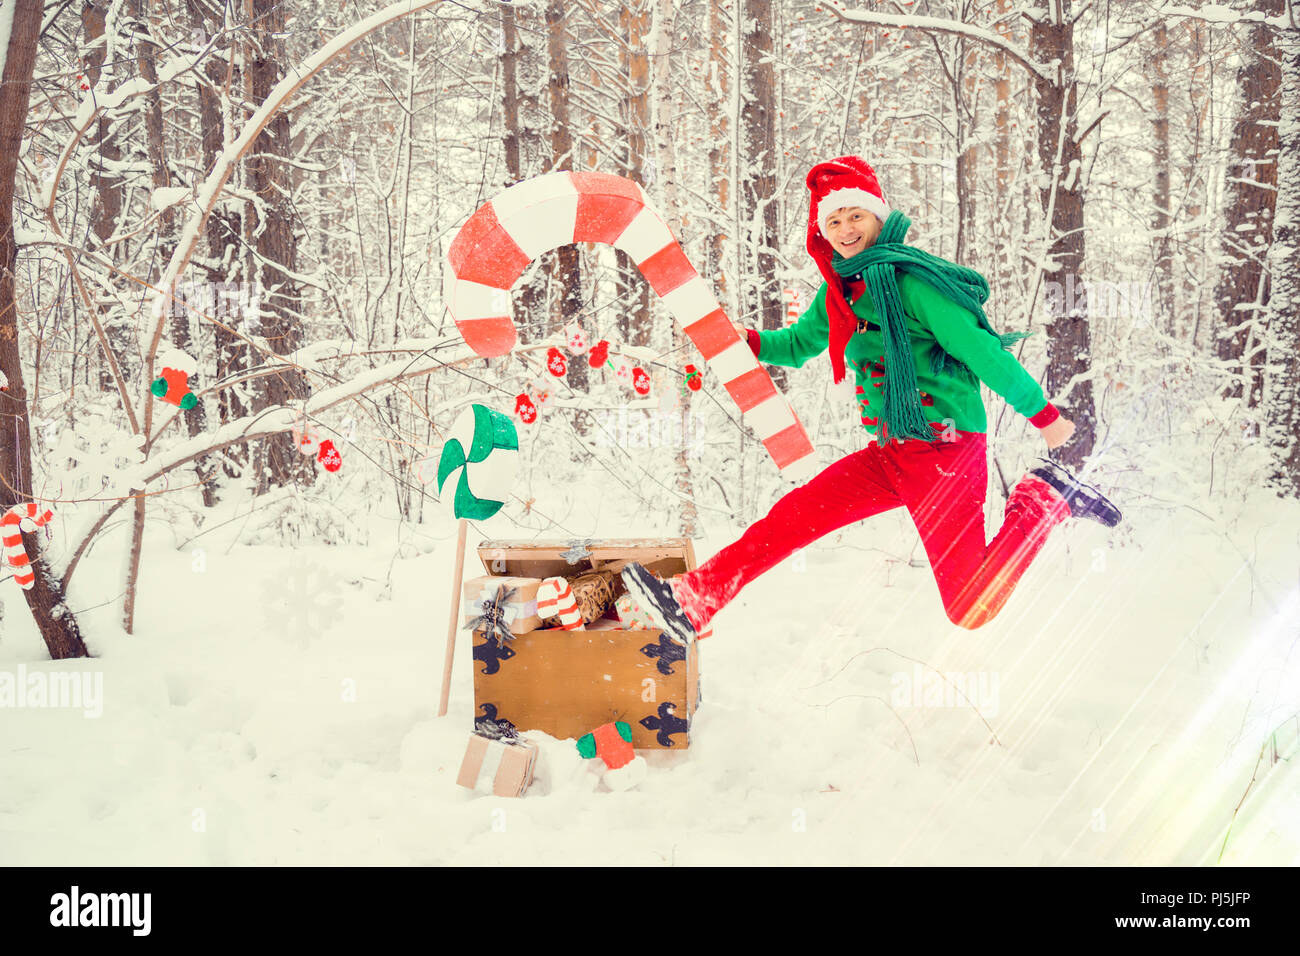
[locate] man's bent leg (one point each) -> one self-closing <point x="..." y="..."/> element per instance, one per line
<point x="849" y="490"/>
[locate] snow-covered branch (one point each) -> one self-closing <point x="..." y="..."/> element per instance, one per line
<point x="1047" y="71"/>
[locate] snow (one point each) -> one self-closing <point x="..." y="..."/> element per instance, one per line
<point x="6" y="28"/>
<point x="1113" y="714"/>
<point x="164" y="197"/>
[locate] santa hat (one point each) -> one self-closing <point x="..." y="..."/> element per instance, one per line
<point x="846" y="181"/>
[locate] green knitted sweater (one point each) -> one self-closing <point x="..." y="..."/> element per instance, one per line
<point x="949" y="399"/>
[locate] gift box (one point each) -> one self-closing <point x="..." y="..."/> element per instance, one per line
<point x="519" y="609"/>
<point x="567" y="682"/>
<point x="503" y="767"/>
<point x="595" y="591"/>
<point x="631" y="614"/>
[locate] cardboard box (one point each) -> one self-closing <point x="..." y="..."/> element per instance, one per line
<point x="567" y="683"/>
<point x="520" y="610"/>
<point x="503" y="767"/>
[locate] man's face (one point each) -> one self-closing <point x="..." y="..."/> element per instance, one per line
<point x="852" y="229"/>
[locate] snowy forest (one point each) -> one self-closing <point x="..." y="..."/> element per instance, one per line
<point x="263" y="195"/>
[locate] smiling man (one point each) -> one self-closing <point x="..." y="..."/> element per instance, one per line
<point x="912" y="327"/>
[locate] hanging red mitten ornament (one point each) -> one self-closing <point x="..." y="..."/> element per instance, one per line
<point x="640" y="381"/>
<point x="693" y="380"/>
<point x="525" y="410"/>
<point x="622" y="369"/>
<point x="329" y="456"/>
<point x="173" y="387"/>
<point x="576" y="338"/>
<point x="599" y="354"/>
<point x="556" y="363"/>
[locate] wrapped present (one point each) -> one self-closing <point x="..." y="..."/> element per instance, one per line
<point x="631" y="615"/>
<point x="503" y="766"/>
<point x="596" y="591"/>
<point x="504" y="606"/>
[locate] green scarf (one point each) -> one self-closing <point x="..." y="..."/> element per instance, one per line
<point x="879" y="264"/>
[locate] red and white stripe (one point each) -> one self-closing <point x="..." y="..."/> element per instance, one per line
<point x="794" y="305"/>
<point x="496" y="244"/>
<point x="11" y="530"/>
<point x="555" y="599"/>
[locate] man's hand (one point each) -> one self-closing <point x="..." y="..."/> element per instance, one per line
<point x="1058" y="433"/>
<point x="741" y="331"/>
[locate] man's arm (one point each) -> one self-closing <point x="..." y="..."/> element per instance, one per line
<point x="797" y="343"/>
<point x="959" y="333"/>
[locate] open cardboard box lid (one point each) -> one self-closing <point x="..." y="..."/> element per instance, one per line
<point x="543" y="559"/>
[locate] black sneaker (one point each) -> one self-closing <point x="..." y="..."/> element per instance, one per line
<point x="656" y="597"/>
<point x="1085" y="501"/>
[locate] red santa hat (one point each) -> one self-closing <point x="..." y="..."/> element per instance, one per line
<point x="846" y="181"/>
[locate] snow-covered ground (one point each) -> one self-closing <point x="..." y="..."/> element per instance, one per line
<point x="276" y="705"/>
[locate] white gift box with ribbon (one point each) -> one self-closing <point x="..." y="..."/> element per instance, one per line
<point x="502" y="768"/>
<point x="519" y="611"/>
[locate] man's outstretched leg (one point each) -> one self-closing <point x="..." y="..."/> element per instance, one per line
<point x="851" y="489"/>
<point x="946" y="499"/>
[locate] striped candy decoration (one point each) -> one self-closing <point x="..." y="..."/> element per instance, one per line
<point x="555" y="599"/>
<point x="13" y="539"/>
<point x="794" y="305"/>
<point x="495" y="245"/>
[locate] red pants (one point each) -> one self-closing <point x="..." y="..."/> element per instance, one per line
<point x="941" y="483"/>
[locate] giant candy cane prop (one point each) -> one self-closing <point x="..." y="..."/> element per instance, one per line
<point x="496" y="244"/>
<point x="11" y="535"/>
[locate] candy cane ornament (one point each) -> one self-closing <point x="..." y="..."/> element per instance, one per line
<point x="555" y="599"/>
<point x="495" y="245"/>
<point x="11" y="534"/>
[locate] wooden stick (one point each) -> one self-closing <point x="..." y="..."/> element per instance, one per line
<point x="455" y="615"/>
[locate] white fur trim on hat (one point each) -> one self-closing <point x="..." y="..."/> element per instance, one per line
<point x="841" y="198"/>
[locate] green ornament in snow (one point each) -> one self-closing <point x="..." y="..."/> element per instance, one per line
<point x="480" y="461"/>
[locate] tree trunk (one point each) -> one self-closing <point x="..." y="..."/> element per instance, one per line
<point x="761" y="298"/>
<point x="965" y="92"/>
<point x="1161" y="218"/>
<point x="524" y="69"/>
<point x="269" y="227"/>
<point x="1069" y="343"/>
<point x="1002" y="268"/>
<point x="1284" y="304"/>
<point x="182" y="320"/>
<point x="104" y="152"/>
<point x="222" y="237"/>
<point x="632" y="290"/>
<point x="1241" y="294"/>
<point x="57" y="624"/>
<point x="718" y="101"/>
<point x="566" y="274"/>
